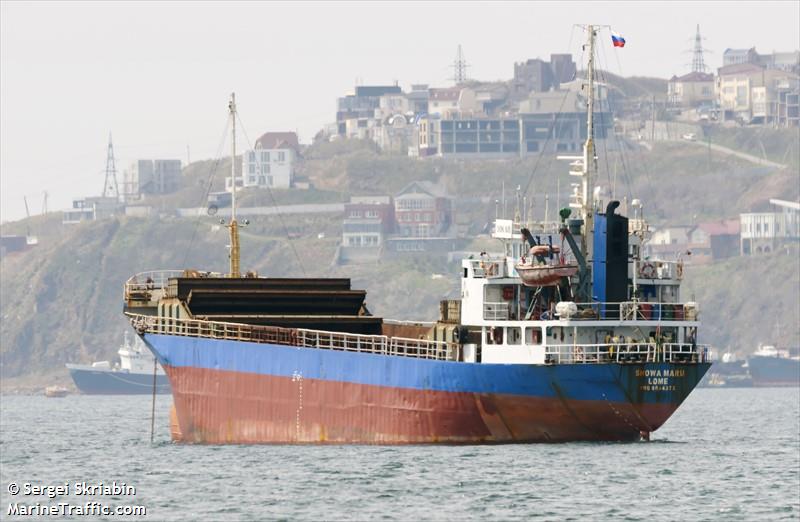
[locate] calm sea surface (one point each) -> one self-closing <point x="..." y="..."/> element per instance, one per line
<point x="725" y="455"/>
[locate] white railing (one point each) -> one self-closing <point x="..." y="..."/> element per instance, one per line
<point x="626" y="352"/>
<point x="484" y="268"/>
<point x="496" y="311"/>
<point x="660" y="269"/>
<point x="633" y="311"/>
<point x="301" y="337"/>
<point x="141" y="286"/>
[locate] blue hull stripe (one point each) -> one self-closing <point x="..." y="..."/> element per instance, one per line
<point x="569" y="381"/>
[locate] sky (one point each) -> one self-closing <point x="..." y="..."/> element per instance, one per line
<point x="158" y="75"/>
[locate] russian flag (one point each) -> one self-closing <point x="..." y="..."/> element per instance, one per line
<point x="617" y="40"/>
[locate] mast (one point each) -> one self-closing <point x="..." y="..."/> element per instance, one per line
<point x="233" y="226"/>
<point x="589" y="156"/>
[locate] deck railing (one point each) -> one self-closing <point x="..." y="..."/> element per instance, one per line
<point x="301" y="337"/>
<point x="419" y="348"/>
<point x="634" y="311"/>
<point x="140" y="287"/>
<point x="486" y="268"/>
<point x="626" y="352"/>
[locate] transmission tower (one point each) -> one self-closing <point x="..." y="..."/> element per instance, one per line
<point x="460" y="67"/>
<point x="698" y="65"/>
<point x="110" y="187"/>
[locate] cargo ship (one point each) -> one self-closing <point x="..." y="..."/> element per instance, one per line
<point x="769" y="366"/>
<point x="133" y="375"/>
<point x="592" y="344"/>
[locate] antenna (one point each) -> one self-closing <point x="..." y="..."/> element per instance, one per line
<point x="589" y="160"/>
<point x="110" y="187"/>
<point x="585" y="165"/>
<point x="233" y="226"/>
<point x="460" y="67"/>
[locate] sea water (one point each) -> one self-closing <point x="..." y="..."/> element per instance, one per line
<point x="726" y="454"/>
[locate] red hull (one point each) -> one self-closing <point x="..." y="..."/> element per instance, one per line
<point x="214" y="406"/>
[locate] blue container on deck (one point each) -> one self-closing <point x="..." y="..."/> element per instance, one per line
<point x="657" y="312"/>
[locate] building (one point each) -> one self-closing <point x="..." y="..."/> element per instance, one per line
<point x="418" y="98"/>
<point x="763" y="232"/>
<point x="788" y="109"/>
<point x="555" y="121"/>
<point x="487" y="99"/>
<point x="91" y="209"/>
<point x="444" y="101"/>
<point x="393" y="125"/>
<point x="739" y="56"/>
<point x="674" y="235"/>
<point x="691" y="90"/>
<point x="423" y="210"/>
<point x="783" y="61"/>
<point x="713" y="241"/>
<point x="536" y="75"/>
<point x="751" y="93"/>
<point x="789" y="62"/>
<point x="668" y="242"/>
<point x="354" y="111"/>
<point x="150" y="177"/>
<point x="552" y="121"/>
<point x="271" y="163"/>
<point x="368" y="220"/>
<point x="469" y="137"/>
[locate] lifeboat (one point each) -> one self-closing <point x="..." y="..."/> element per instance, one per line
<point x="534" y="272"/>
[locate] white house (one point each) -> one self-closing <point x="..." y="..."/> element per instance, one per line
<point x="763" y="232"/>
<point x="144" y="177"/>
<point x="271" y="163"/>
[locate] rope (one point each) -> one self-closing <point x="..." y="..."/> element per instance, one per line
<point x="274" y="202"/>
<point x="626" y="167"/>
<point x="550" y="130"/>
<point x="209" y="181"/>
<point x="153" y="407"/>
<point x="621" y="142"/>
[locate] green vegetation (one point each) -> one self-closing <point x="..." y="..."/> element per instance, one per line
<point x="748" y="300"/>
<point x="778" y="145"/>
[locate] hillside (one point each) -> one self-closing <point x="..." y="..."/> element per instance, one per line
<point x="779" y="145"/>
<point x="749" y="300"/>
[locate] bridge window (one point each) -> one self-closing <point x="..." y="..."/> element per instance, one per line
<point x="514" y="335"/>
<point x="494" y="335"/>
<point x="533" y="336"/>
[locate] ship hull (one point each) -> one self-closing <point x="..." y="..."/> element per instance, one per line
<point x="774" y="371"/>
<point x="98" y="381"/>
<point x="239" y="392"/>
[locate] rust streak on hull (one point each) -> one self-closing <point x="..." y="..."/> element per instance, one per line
<point x="216" y="406"/>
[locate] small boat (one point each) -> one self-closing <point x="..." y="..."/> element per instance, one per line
<point x="536" y="271"/>
<point x="55" y="391"/>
